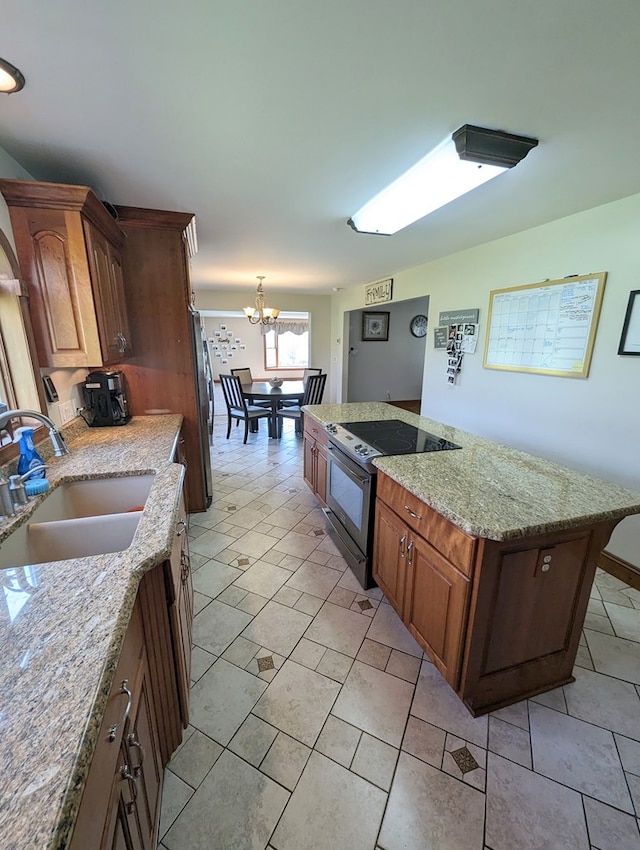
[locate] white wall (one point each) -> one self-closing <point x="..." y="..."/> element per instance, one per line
<point x="12" y="170"/>
<point x="318" y="307"/>
<point x="392" y="370"/>
<point x="591" y="425"/>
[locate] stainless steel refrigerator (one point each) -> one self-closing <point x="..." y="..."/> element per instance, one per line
<point x="204" y="386"/>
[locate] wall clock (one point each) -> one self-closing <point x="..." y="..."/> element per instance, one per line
<point x="418" y="325"/>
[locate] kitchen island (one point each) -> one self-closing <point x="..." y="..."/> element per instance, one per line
<point x="488" y="555"/>
<point x="62" y="629"/>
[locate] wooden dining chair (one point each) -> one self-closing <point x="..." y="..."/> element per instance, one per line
<point x="313" y="392"/>
<point x="237" y="407"/>
<point x="305" y="375"/>
<point x="246" y="378"/>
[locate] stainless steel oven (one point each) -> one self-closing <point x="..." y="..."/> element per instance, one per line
<point x="351" y="481"/>
<point x="349" y="511"/>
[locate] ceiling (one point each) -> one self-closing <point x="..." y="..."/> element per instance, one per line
<point x="275" y="120"/>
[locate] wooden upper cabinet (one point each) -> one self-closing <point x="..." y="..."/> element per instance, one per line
<point x="69" y="250"/>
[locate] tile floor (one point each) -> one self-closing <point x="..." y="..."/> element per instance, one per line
<point x="317" y="723"/>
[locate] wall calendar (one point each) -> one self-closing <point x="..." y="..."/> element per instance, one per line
<point x="548" y="328"/>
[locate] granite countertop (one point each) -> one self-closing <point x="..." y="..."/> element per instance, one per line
<point x="487" y="489"/>
<point x="61" y="629"/>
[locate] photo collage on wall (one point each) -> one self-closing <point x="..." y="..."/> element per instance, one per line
<point x="461" y="340"/>
<point x="224" y="344"/>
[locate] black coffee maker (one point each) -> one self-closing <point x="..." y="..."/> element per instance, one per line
<point x="105" y="399"/>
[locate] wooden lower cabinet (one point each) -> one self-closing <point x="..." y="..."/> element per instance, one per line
<point x="145" y="713"/>
<point x="315" y="458"/>
<point x="501" y="620"/>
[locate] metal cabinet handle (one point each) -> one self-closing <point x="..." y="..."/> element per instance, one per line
<point x="182" y="526"/>
<point x="403" y="541"/>
<point x="125" y="773"/>
<point x="410" y="553"/>
<point x="185" y="565"/>
<point x="124" y="689"/>
<point x="411" y="513"/>
<point x="134" y="744"/>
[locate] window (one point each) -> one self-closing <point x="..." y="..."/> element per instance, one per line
<point x="287" y="345"/>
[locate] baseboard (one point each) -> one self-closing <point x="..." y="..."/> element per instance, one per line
<point x="620" y="569"/>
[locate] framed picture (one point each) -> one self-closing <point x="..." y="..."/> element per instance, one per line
<point x="375" y="326"/>
<point x="630" y="337"/>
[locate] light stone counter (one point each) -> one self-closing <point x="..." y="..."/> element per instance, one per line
<point x="61" y="629"/>
<point x="487" y="489"/>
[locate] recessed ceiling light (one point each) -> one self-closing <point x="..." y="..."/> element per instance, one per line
<point x="11" y="79"/>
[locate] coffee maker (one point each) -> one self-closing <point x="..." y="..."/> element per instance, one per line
<point x="105" y="399"/>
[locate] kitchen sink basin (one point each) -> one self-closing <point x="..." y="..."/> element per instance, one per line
<point x="95" y="497"/>
<point x="62" y="540"/>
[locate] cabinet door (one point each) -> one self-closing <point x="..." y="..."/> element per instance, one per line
<point x="104" y="264"/>
<point x="389" y="555"/>
<point x="436" y="606"/>
<point x="119" y="301"/>
<point x="321" y="473"/>
<point x="309" y="458"/>
<point x="144" y="763"/>
<point x="181" y="612"/>
<point x="118" y="834"/>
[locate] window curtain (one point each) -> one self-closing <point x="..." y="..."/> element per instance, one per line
<point x="283" y="326"/>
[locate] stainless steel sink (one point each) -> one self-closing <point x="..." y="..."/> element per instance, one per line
<point x="79" y="519"/>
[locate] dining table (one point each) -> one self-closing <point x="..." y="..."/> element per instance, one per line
<point x="263" y="391"/>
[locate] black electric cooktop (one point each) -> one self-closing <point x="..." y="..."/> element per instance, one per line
<point x="394" y="437"/>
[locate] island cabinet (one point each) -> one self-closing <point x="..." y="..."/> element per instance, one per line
<point x="315" y="458"/>
<point x="501" y="620"/>
<point x="69" y="250"/>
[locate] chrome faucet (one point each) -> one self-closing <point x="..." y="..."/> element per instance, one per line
<point x="57" y="440"/>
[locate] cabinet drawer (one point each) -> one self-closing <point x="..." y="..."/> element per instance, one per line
<point x="456" y="546"/>
<point x="315" y="430"/>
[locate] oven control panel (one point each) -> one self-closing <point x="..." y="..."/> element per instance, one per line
<point x="352" y="445"/>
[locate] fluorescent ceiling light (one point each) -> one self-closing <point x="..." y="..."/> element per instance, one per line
<point x="11" y="80"/>
<point x="462" y="162"/>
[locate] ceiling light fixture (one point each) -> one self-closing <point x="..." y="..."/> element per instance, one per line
<point x="11" y="80"/>
<point x="261" y="314"/>
<point x="462" y="162"/>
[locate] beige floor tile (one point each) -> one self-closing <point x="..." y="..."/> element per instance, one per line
<point x="516" y="714"/>
<point x="247" y="805"/>
<point x="335" y="665"/>
<point x="375" y="761"/>
<point x="338" y="740"/>
<point x="201" y="660"/>
<point x="615" y="656"/>
<point x="222" y="699"/>
<point x="195" y="759"/>
<point x="314" y="579"/>
<point x="424" y="741"/>
<point x="554" y="699"/>
<point x="308" y="653"/>
<point x="526" y="810"/>
<point x="510" y="741"/>
<point x="429" y="810"/>
<point x="607" y="702"/>
<point x="298" y="545"/>
<point x="200" y="601"/>
<point x="210" y="544"/>
<point x="252" y="604"/>
<point x="375" y="654"/>
<point x="297" y="702"/>
<point x="388" y="628"/>
<point x="610" y="829"/>
<point x="341" y="596"/>
<point x="175" y="795"/>
<point x="375" y="702"/>
<point x="212" y="578"/>
<point x="231" y="596"/>
<point x="253" y="739"/>
<point x="254" y="544"/>
<point x="437" y="704"/>
<point x="598" y="623"/>
<point x="217" y="626"/>
<point x="285" y="760"/>
<point x="625" y="621"/>
<point x="330" y="808"/>
<point x="404" y="666"/>
<point x="240" y="652"/>
<point x="629" y="754"/>
<point x="339" y="629"/>
<point x="277" y="627"/>
<point x="579" y="755"/>
<point x="308" y="604"/>
<point x="263" y="578"/>
<point x="287" y="596"/>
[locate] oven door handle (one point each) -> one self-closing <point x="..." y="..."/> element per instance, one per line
<point x="346" y="469"/>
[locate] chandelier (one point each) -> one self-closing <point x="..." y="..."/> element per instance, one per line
<point x="261" y="314"/>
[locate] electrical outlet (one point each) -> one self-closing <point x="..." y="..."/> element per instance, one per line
<point x="66" y="411"/>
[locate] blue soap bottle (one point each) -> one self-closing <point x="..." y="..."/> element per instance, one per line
<point x="29" y="457"/>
